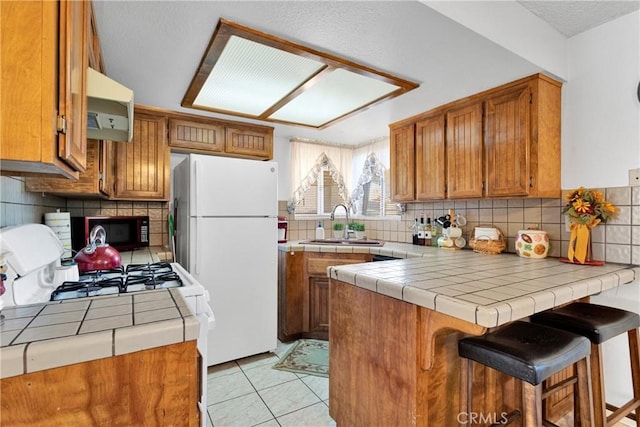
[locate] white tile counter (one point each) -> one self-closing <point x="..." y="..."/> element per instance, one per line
<point x="44" y="336"/>
<point x="488" y="290"/>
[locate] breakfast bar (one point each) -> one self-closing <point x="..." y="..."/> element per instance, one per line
<point x="395" y="326"/>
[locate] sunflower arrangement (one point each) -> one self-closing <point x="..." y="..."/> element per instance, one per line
<point x="586" y="209"/>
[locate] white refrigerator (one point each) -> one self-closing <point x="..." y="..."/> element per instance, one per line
<point x="226" y="236"/>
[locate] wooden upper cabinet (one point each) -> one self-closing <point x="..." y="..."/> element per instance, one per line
<point x="96" y="181"/>
<point x="43" y="79"/>
<point x="430" y="158"/>
<point x="74" y="25"/>
<point x="196" y="136"/>
<point x="402" y="168"/>
<point x="249" y="142"/>
<point x="143" y="166"/>
<point x="464" y="152"/>
<point x="507" y="142"/>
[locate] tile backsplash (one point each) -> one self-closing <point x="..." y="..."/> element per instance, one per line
<point x="616" y="241"/>
<point x="20" y="207"/>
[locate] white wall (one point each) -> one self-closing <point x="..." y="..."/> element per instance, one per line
<point x="282" y="155"/>
<point x="600" y="108"/>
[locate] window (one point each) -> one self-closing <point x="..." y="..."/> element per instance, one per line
<point x="321" y="196"/>
<point x="372" y="195"/>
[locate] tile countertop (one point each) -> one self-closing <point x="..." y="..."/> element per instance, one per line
<point x="44" y="336"/>
<point x="488" y="290"/>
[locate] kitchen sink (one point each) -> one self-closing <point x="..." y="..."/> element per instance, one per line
<point x="338" y="242"/>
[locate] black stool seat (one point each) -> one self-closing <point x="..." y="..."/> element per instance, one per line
<point x="596" y="322"/>
<point x="527" y="351"/>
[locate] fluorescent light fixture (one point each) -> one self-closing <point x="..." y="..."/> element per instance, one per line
<point x="251" y="74"/>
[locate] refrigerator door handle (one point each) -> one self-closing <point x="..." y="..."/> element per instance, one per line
<point x="198" y="249"/>
<point x="195" y="184"/>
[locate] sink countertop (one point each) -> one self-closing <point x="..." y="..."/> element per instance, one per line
<point x="488" y="290"/>
<point x="37" y="337"/>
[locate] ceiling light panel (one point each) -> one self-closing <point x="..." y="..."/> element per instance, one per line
<point x="338" y="94"/>
<point x="248" y="73"/>
<point x="250" y="77"/>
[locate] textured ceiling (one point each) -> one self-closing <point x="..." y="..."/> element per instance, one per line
<point x="574" y="17"/>
<point x="154" y="47"/>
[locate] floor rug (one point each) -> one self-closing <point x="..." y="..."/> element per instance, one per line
<point x="306" y="357"/>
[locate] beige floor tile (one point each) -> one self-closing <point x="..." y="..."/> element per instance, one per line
<point x="312" y="416"/>
<point x="288" y="397"/>
<point x="265" y="376"/>
<point x="243" y="411"/>
<point x="225" y="387"/>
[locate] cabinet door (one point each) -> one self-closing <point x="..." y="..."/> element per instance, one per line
<point x="430" y="159"/>
<point x="195" y="136"/>
<point x="106" y="166"/>
<point x="254" y="143"/>
<point x="402" y="152"/>
<point x="142" y="167"/>
<point x="72" y="79"/>
<point x="464" y="152"/>
<point x="318" y="307"/>
<point x="507" y="142"/>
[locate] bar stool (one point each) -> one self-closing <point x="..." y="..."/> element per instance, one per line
<point x="530" y="353"/>
<point x="599" y="324"/>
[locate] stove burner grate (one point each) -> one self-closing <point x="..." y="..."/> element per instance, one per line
<point x="70" y="290"/>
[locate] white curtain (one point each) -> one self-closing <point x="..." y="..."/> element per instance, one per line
<point x="379" y="147"/>
<point x="304" y="156"/>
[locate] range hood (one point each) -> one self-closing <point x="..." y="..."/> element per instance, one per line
<point x="109" y="108"/>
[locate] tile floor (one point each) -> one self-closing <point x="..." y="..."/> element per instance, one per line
<point x="249" y="392"/>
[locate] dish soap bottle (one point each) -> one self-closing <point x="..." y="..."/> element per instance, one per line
<point x="320" y="231"/>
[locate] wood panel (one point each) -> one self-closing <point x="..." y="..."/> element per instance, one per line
<point x="143" y="168"/>
<point x="29" y="81"/>
<point x="507" y="143"/>
<point x="290" y="295"/>
<point x="93" y="40"/>
<point x="72" y="78"/>
<point x="153" y="387"/>
<point x="196" y="136"/>
<point x="250" y="142"/>
<point x="464" y="152"/>
<point x="430" y="159"/>
<point x="395" y="363"/>
<point x="402" y="168"/>
<point x="318" y="308"/>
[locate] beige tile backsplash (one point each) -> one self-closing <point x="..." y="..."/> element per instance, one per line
<point x="19" y="207"/>
<point x="616" y="241"/>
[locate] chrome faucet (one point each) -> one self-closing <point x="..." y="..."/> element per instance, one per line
<point x="346" y="223"/>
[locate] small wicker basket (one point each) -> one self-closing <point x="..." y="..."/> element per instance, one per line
<point x="485" y="246"/>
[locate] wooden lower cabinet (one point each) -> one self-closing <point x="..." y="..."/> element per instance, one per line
<point x="303" y="292"/>
<point x="159" y="386"/>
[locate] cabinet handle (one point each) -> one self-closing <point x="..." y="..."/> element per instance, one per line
<point x="531" y="181"/>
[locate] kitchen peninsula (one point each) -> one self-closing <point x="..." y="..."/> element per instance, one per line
<point x="394" y="327"/>
<point x="122" y="359"/>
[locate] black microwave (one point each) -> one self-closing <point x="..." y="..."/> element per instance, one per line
<point x="123" y="232"/>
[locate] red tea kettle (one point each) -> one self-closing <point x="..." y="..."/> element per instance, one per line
<point x="97" y="255"/>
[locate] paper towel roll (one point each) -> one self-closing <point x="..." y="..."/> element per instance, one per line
<point x="60" y="223"/>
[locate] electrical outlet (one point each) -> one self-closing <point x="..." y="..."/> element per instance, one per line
<point x="634" y="177"/>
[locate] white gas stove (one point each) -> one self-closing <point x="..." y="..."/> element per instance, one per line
<point x="35" y="275"/>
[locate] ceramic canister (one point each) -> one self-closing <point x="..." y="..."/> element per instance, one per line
<point x="532" y="244"/>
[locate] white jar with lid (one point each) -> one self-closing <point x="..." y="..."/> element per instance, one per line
<point x="532" y="244"/>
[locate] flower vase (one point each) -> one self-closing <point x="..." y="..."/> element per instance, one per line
<point x="580" y="246"/>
